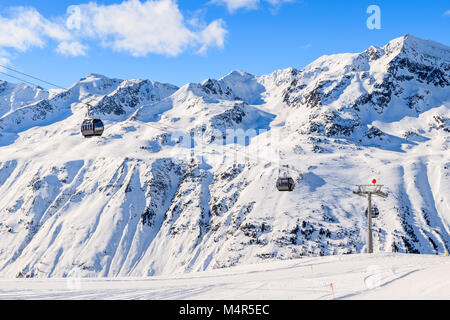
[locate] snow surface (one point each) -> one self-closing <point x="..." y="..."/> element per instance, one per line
<point x="139" y="201"/>
<point x="358" y="276"/>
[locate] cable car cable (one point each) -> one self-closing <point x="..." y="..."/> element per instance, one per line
<point x="9" y="75"/>
<point x="41" y="80"/>
<point x="28" y="75"/>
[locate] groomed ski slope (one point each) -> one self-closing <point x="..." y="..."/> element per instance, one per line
<point x="356" y="276"/>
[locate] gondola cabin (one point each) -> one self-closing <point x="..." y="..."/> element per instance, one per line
<point x="375" y="212"/>
<point x="92" y="128"/>
<point x="285" y="184"/>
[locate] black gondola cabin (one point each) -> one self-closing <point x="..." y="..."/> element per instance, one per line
<point x="375" y="212"/>
<point x="92" y="128"/>
<point x="285" y="184"/>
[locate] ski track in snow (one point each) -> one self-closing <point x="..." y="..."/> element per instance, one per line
<point x="396" y="276"/>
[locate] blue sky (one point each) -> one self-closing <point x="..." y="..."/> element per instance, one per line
<point x="194" y="40"/>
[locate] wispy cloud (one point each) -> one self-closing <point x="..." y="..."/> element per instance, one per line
<point x="71" y="48"/>
<point x="146" y="27"/>
<point x="447" y="13"/>
<point x="23" y="28"/>
<point x="234" y="5"/>
<point x="132" y="26"/>
<point x="306" y="46"/>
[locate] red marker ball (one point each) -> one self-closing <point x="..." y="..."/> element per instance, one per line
<point x="374" y="181"/>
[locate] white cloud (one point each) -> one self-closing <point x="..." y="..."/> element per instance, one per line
<point x="132" y="26"/>
<point x="71" y="48"/>
<point x="145" y="27"/>
<point x="447" y="13"/>
<point x="234" y="5"/>
<point x="213" y="35"/>
<point x="24" y="28"/>
<point x="278" y="2"/>
<point x="4" y="57"/>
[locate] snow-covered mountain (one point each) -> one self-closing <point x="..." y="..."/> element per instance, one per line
<point x="183" y="179"/>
